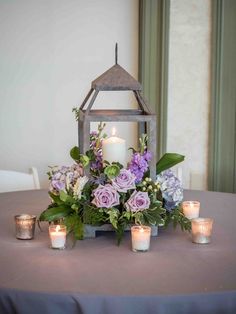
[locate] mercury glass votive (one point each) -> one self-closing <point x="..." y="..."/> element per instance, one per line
<point x="25" y="226"/>
<point x="191" y="209"/>
<point x="140" y="237"/>
<point x="57" y="235"/>
<point x="201" y="230"/>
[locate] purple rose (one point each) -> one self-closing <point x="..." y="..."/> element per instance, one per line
<point x="138" y="201"/>
<point x="124" y="181"/>
<point x="105" y="196"/>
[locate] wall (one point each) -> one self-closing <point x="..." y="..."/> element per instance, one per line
<point x="189" y="82"/>
<point x="50" y="51"/>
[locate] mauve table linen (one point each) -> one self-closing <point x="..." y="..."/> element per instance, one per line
<point x="98" y="277"/>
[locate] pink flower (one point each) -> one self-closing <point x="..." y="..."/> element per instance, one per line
<point x="105" y="196"/>
<point x="124" y="181"/>
<point x="138" y="201"/>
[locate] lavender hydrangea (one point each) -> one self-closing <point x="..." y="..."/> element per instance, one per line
<point x="64" y="178"/>
<point x="138" y="201"/>
<point x="124" y="181"/>
<point x="106" y="196"/>
<point x="139" y="164"/>
<point x="171" y="188"/>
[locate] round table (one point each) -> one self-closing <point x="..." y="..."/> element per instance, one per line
<point x="97" y="276"/>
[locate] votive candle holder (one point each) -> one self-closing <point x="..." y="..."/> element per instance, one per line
<point x="25" y="226"/>
<point x="201" y="230"/>
<point x="191" y="209"/>
<point x="57" y="235"/>
<point x="140" y="238"/>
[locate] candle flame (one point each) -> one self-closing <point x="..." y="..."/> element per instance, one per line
<point x="57" y="228"/>
<point x="191" y="204"/>
<point x="113" y="131"/>
<point x="141" y="230"/>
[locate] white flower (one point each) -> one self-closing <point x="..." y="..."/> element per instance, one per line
<point x="79" y="185"/>
<point x="69" y="176"/>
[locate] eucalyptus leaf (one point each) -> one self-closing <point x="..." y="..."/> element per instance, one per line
<point x="167" y="161"/>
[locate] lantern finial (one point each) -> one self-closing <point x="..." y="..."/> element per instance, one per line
<point x="116" y="53"/>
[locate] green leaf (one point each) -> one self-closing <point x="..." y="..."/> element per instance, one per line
<point x="113" y="217"/>
<point x="167" y="161"/>
<point x="75" y="153"/>
<point x="54" y="213"/>
<point x="74" y="224"/>
<point x="55" y="198"/>
<point x="75" y="207"/>
<point x="68" y="199"/>
<point x="78" y="229"/>
<point x="120" y="232"/>
<point x="84" y="159"/>
<point x="177" y="217"/>
<point x="139" y="218"/>
<point x="93" y="216"/>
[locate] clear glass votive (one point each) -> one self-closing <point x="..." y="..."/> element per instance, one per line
<point x="140" y="238"/>
<point x="201" y="230"/>
<point x="191" y="209"/>
<point x="57" y="235"/>
<point x="25" y="226"/>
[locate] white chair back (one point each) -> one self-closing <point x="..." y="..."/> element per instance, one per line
<point x="19" y="181"/>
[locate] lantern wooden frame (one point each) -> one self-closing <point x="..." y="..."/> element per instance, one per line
<point x="117" y="79"/>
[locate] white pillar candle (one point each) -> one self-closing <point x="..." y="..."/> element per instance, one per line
<point x="201" y="230"/>
<point x="114" y="149"/>
<point x="140" y="236"/>
<point x="58" y="236"/>
<point x="191" y="209"/>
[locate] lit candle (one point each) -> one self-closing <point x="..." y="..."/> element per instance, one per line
<point x="191" y="209"/>
<point x="58" y="236"/>
<point x="25" y="226"/>
<point x="201" y="230"/>
<point x="114" y="149"/>
<point x="140" y="236"/>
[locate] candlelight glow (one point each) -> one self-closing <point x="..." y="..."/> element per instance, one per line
<point x="57" y="228"/>
<point x="113" y="131"/>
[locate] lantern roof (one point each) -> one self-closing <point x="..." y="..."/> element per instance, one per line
<point x="114" y="79"/>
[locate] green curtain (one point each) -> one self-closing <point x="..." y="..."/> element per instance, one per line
<point x="222" y="149"/>
<point x="153" y="61"/>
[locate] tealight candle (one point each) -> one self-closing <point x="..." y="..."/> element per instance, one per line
<point x="140" y="236"/>
<point x="114" y="149"/>
<point x="201" y="230"/>
<point x="58" y="236"/>
<point x="25" y="226"/>
<point x="191" y="209"/>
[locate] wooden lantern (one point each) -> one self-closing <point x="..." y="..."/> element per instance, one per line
<point x="117" y="79"/>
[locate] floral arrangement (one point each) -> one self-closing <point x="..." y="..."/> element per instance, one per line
<point x="95" y="192"/>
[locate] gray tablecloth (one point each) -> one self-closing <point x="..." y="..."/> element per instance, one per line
<point x="175" y="276"/>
